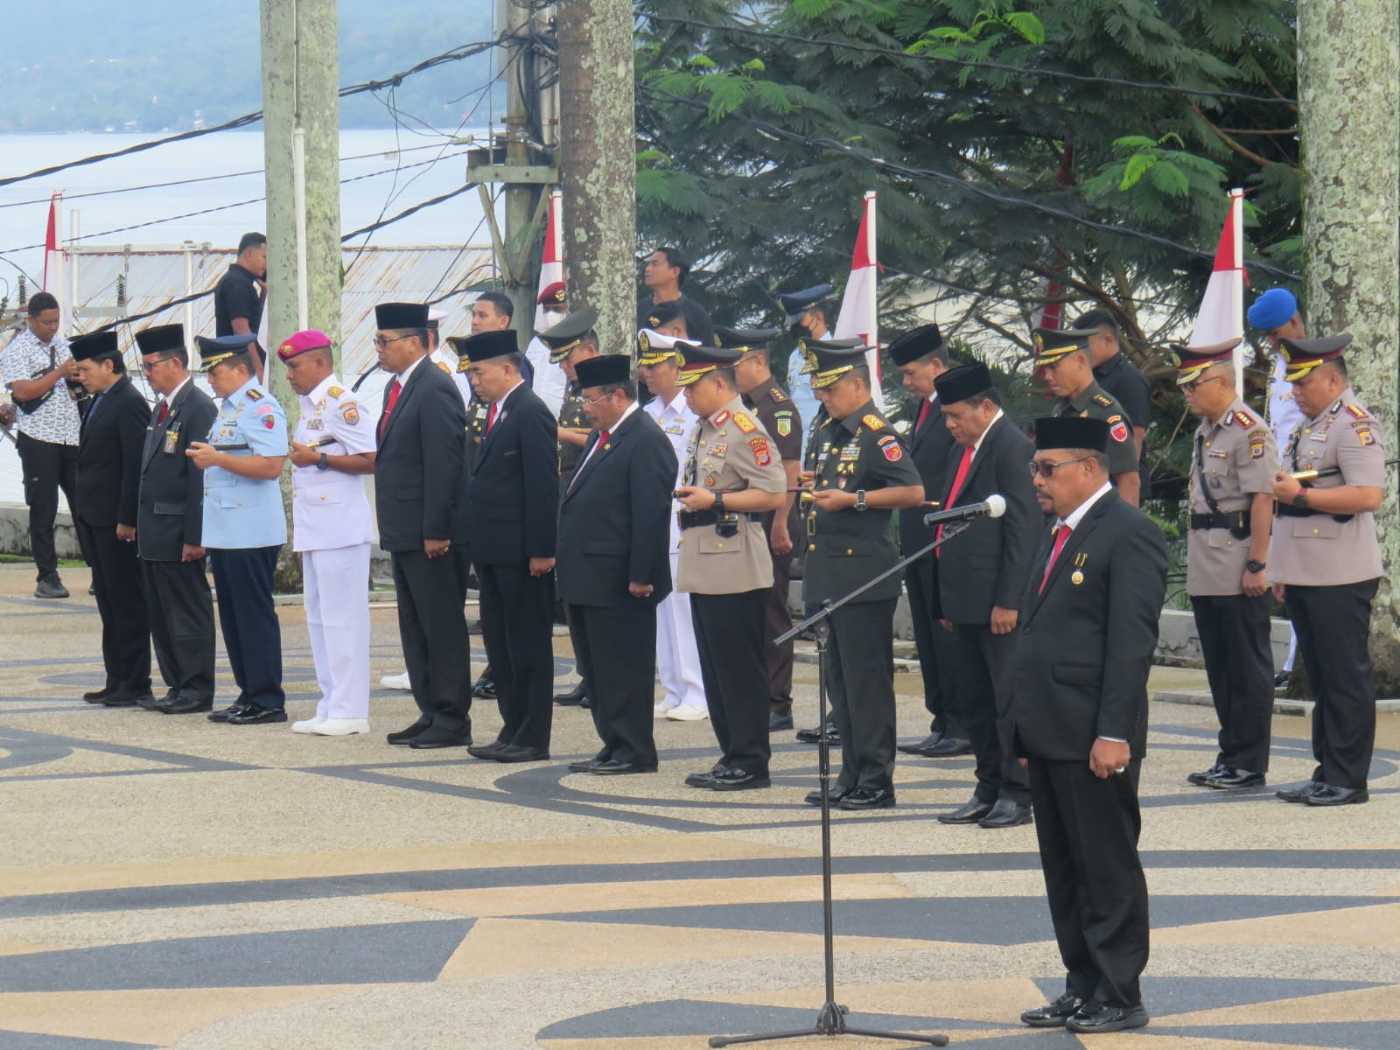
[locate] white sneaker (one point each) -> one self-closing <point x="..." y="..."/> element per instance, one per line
<point x="396" y="681"/>
<point x="307" y="725"/>
<point x="342" y="727"/>
<point x="664" y="706"/>
<point x="686" y="713"/>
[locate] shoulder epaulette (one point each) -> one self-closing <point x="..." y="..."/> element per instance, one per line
<point x="1358" y="411"/>
<point x="255" y="394"/>
<point x="443" y="365"/>
<point x="873" y="422"/>
<point x="1244" y="419"/>
<point x="336" y="391"/>
<point x="777" y="395"/>
<point x="745" y="422"/>
<point x="1103" y="400"/>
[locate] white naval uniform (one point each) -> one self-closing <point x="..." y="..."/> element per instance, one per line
<point x="333" y="528"/>
<point x="677" y="659"/>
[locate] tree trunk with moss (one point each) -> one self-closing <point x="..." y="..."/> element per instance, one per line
<point x="597" y="161"/>
<point x="1349" y="120"/>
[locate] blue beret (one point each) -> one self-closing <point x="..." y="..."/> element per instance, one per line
<point x="1274" y="309"/>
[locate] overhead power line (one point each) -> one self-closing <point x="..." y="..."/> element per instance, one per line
<point x="999" y="67"/>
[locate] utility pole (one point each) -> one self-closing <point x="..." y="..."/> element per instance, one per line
<point x="301" y="146"/>
<point x="1349" y="120"/>
<point x="598" y="162"/>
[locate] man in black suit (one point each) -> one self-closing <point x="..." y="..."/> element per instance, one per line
<point x="1079" y="713"/>
<point x="614" y="562"/>
<point x="109" y="474"/>
<point x="981" y="578"/>
<point x="921" y="358"/>
<point x="417" y="481"/>
<point x="170" y="526"/>
<point x="512" y="506"/>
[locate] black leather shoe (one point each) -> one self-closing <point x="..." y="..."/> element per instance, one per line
<point x="1299" y="793"/>
<point x="835" y="793"/>
<point x="587" y="763"/>
<point x="431" y="739"/>
<point x="253" y="715"/>
<point x="1100" y="1017"/>
<point x="573" y="698"/>
<point x="614" y="767"/>
<point x="586" y="703"/>
<point x="517" y="753"/>
<point x="1006" y="814"/>
<point x="923" y="745"/>
<point x="969" y="813"/>
<point x="866" y="798"/>
<point x="403" y="736"/>
<point x="485" y="688"/>
<point x="487" y="751"/>
<point x="779" y="720"/>
<point x="1282" y="679"/>
<point x="225" y="713"/>
<point x="948" y="747"/>
<point x="1053" y="1015"/>
<point x="814" y="735"/>
<point x="98" y="695"/>
<point x="1328" y="795"/>
<point x="128" y="700"/>
<point x="702" y="780"/>
<point x="150" y="702"/>
<point x="1229" y="779"/>
<point x="738" y="780"/>
<point x="1199" y="779"/>
<point x="185" y="705"/>
<point x="50" y="587"/>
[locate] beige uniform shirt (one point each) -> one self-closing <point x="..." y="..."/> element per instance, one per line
<point x="1318" y="550"/>
<point x="729" y="452"/>
<point x="1235" y="459"/>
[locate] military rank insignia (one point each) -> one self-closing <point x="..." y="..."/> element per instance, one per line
<point x="872" y="422"/>
<point x="1357" y="411"/>
<point x="336" y="391"/>
<point x="445" y="369"/>
<point x="1245" y="420"/>
<point x="890" y="446"/>
<point x="744" y="423"/>
<point x="762" y="455"/>
<point x="720" y="419"/>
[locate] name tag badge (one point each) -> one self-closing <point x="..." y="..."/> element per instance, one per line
<point x="676" y="428"/>
<point x="172" y="438"/>
<point x="1218" y="454"/>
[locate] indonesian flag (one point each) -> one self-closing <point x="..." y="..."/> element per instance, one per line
<point x="550" y="381"/>
<point x="53" y="258"/>
<point x="858" y="318"/>
<point x="1221" y="317"/>
<point x="552" y="263"/>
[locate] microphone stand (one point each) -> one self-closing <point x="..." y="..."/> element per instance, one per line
<point x="831" y="1020"/>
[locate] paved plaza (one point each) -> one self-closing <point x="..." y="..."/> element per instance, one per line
<point x="171" y="883"/>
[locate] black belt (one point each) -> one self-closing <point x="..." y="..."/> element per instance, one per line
<point x="1237" y="521"/>
<point x="694" y="519"/>
<point x="1287" y="510"/>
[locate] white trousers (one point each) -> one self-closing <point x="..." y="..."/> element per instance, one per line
<point x="677" y="659"/>
<point x="336" y="590"/>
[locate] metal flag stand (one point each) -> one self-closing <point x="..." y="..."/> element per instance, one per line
<point x="831" y="1020"/>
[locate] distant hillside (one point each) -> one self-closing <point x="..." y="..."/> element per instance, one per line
<point x="87" y="65"/>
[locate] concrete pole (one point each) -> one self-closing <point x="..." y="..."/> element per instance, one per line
<point x="597" y="160"/>
<point x="521" y="265"/>
<point x="1349" y="121"/>
<point x="301" y="135"/>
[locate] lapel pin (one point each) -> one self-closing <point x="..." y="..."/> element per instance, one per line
<point x="1077" y="578"/>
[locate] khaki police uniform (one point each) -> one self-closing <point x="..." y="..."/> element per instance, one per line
<point x="726" y="567"/>
<point x="1234" y="460"/>
<point x="1093" y="402"/>
<point x="1331" y="566"/>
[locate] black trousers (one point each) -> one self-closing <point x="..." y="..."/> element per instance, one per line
<point x="1333" y="625"/>
<point x="431" y="594"/>
<point x="937" y="652"/>
<point x="126" y="636"/>
<point x="181" y="615"/>
<point x="616" y="651"/>
<point x="1234" y="632"/>
<point x="776" y="620"/>
<point x="47" y="468"/>
<point x="517" y="620"/>
<point x="860" y="685"/>
<point x="984" y="664"/>
<point x="729" y="636"/>
<point x="1088" y="833"/>
<point x="248" y="622"/>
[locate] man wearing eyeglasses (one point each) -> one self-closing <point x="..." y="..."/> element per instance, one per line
<point x="170" y="526"/>
<point x="1232" y="511"/>
<point x="1062" y="360"/>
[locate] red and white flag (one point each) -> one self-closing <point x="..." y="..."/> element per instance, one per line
<point x="1221" y="317"/>
<point x="550" y="381"/>
<point x="552" y="262"/>
<point x="53" y="259"/>
<point x="858" y="318"/>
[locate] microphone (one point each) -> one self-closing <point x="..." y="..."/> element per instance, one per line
<point x="992" y="507"/>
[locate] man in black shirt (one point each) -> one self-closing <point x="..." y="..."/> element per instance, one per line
<point x="664" y="275"/>
<point x="241" y="293"/>
<point x="1121" y="378"/>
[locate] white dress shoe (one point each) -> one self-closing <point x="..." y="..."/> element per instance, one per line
<point x="664" y="706"/>
<point x="307" y="725"/>
<point x="396" y="681"/>
<point x="342" y="727"/>
<point x="686" y="713"/>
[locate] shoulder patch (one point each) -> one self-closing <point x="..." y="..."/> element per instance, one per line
<point x="761" y="455"/>
<point x="443" y="365"/>
<point x="1103" y="400"/>
<point x="778" y="396"/>
<point x="255" y="394"/>
<point x="873" y="422"/>
<point x="1257" y="441"/>
<point x="336" y="391"/>
<point x="350" y="412"/>
<point x="745" y="422"/>
<point x="1244" y="419"/>
<point x="1113" y="419"/>
<point x="892" y="449"/>
<point x="1119" y="432"/>
<point x="1364" y="435"/>
<point x="1358" y="411"/>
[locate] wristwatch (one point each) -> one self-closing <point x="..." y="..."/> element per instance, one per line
<point x="1300" y="499"/>
<point x="323" y="463"/>
<point x="719" y="503"/>
<point x="1256" y="566"/>
<point x="860" y="500"/>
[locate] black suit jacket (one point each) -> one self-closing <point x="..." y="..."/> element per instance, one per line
<point x="109" y="456"/>
<point x="1086" y="642"/>
<point x="614" y="521"/>
<point x="171" y="510"/>
<point x="512" y="492"/>
<point x="988" y="564"/>
<point x="929" y="447"/>
<point x="418" y="471"/>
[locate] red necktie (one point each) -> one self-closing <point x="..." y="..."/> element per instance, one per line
<point x="164" y="413"/>
<point x="395" y="388"/>
<point x="491" y="417"/>
<point x="923" y="415"/>
<point x="603" y="436"/>
<point x="964" y="465"/>
<point x="1061" y="538"/>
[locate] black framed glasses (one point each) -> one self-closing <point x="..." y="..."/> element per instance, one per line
<point x="1046" y="469"/>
